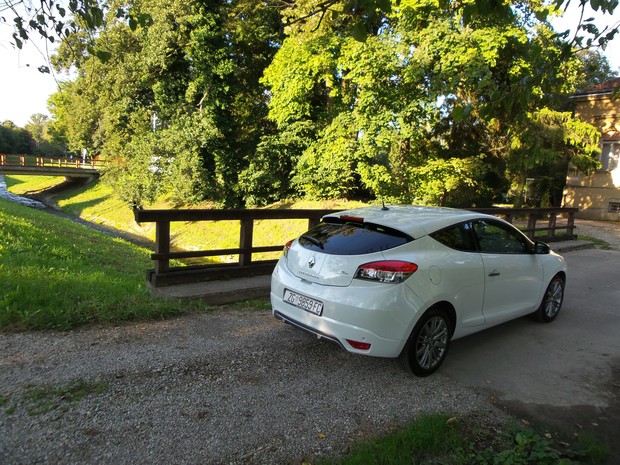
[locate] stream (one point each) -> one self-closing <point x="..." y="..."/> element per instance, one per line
<point x="5" y="194"/>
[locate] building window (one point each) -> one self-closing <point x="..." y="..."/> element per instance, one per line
<point x="610" y="155"/>
<point x="614" y="207"/>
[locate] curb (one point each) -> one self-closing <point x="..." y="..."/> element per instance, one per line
<point x="571" y="246"/>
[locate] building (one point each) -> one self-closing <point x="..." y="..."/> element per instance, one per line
<point x="598" y="196"/>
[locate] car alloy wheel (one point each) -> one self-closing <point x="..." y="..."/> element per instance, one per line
<point x="552" y="300"/>
<point x="427" y="346"/>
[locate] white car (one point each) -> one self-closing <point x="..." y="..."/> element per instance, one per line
<point x="403" y="281"/>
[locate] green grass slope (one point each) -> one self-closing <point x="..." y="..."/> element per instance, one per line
<point x="57" y="274"/>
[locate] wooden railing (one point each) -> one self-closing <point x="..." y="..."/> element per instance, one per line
<point x="49" y="162"/>
<point x="554" y="219"/>
<point x="164" y="274"/>
<point x="528" y="220"/>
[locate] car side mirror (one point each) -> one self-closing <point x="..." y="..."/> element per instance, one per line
<point x="540" y="248"/>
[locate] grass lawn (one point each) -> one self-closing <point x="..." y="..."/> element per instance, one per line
<point x="58" y="274"/>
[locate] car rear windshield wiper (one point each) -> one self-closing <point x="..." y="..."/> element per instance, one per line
<point x="312" y="240"/>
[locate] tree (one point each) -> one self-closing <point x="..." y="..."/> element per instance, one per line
<point x="45" y="143"/>
<point x="15" y="140"/>
<point x="595" y="67"/>
<point x="427" y="108"/>
<point x="548" y="143"/>
<point x="185" y="89"/>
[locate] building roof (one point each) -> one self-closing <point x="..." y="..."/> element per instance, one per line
<point x="606" y="87"/>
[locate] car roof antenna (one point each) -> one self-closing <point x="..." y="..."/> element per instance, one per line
<point x="384" y="208"/>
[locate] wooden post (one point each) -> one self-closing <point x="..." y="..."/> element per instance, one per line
<point x="552" y="222"/>
<point x="312" y="222"/>
<point x="531" y="226"/>
<point x="570" y="225"/>
<point x="245" y="241"/>
<point x="162" y="245"/>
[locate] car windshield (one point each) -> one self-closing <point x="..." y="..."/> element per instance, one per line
<point x="338" y="237"/>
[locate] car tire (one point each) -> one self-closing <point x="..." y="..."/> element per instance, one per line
<point x="552" y="301"/>
<point x="427" y="346"/>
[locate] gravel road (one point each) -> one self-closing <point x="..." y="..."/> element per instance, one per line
<point x="229" y="386"/>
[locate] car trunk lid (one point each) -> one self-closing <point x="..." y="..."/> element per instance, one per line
<point x="326" y="269"/>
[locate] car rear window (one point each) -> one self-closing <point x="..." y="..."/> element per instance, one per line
<point x="337" y="237"/>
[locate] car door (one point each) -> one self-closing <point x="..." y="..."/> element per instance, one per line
<point x="463" y="275"/>
<point x="512" y="273"/>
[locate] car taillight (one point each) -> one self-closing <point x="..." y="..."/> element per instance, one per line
<point x="386" y="271"/>
<point x="287" y="247"/>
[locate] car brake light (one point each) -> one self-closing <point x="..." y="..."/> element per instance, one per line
<point x="354" y="219"/>
<point x="359" y="345"/>
<point x="287" y="247"/>
<point x="386" y="271"/>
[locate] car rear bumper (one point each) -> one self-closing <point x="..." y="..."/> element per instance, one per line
<point x="380" y="315"/>
<point x="298" y="325"/>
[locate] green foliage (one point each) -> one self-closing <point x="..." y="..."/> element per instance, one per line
<point x="467" y="441"/>
<point x="243" y="102"/>
<point x="426" y="437"/>
<point x="596" y="68"/>
<point x="47" y="140"/>
<point x="327" y="168"/>
<point x="429" y="106"/>
<point x="14" y="140"/>
<point x="165" y="162"/>
<point x="183" y="85"/>
<point x="543" y="148"/>
<point x="267" y="179"/>
<point x="523" y="446"/>
<point x="36" y="138"/>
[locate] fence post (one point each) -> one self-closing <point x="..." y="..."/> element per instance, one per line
<point x="531" y="226"/>
<point x="162" y="245"/>
<point x="312" y="222"/>
<point x="245" y="241"/>
<point x="570" y="224"/>
<point x="552" y="222"/>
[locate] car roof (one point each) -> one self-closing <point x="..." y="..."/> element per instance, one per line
<point x="417" y="221"/>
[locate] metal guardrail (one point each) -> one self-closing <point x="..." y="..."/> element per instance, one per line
<point x="163" y="274"/>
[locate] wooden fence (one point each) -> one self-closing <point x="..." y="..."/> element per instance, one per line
<point x="164" y="274"/>
<point x="529" y="221"/>
<point x="554" y="220"/>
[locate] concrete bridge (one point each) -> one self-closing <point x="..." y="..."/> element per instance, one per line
<point x="71" y="168"/>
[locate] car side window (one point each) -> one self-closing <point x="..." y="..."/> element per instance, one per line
<point x="495" y="237"/>
<point x="457" y="237"/>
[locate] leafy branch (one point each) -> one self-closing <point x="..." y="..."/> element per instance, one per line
<point x="56" y="20"/>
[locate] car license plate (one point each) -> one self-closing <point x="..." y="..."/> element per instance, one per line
<point x="303" y="302"/>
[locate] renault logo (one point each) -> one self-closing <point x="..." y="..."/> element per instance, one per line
<point x="311" y="262"/>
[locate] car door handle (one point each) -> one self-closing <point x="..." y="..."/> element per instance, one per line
<point x="494" y="273"/>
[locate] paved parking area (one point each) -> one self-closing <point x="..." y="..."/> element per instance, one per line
<point x="565" y="374"/>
